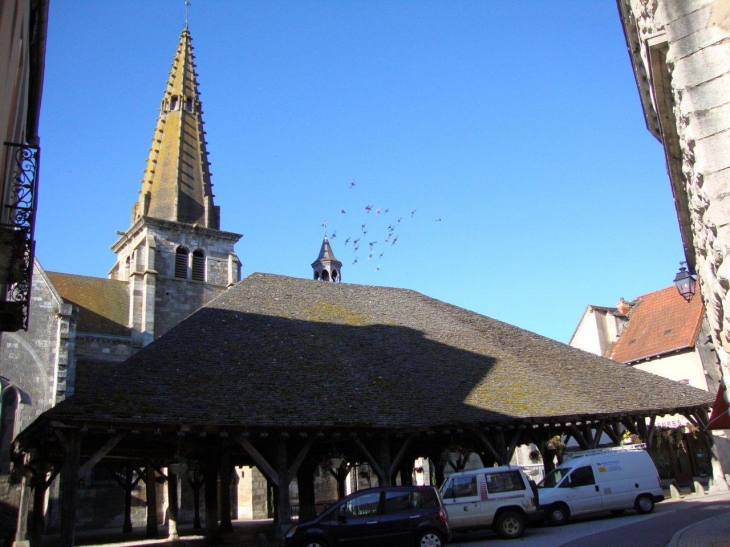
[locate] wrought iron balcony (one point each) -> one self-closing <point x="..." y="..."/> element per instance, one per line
<point x="17" y="223"/>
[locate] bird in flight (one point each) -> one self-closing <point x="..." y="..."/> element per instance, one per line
<point x="413" y="212"/>
<point x="401" y="218"/>
<point x="347" y="240"/>
<point x="355" y="261"/>
<point x="394" y="240"/>
<point x="381" y="255"/>
<point x="368" y="208"/>
<point x="357" y="248"/>
<point x="362" y="226"/>
<point x="377" y="269"/>
<point x="334" y="235"/>
<point x="352" y="184"/>
<point x="343" y="212"/>
<point x="377" y="212"/>
<point x="356" y="241"/>
<point x="386" y="211"/>
<point x="438" y="219"/>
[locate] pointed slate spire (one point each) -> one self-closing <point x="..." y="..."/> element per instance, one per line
<point x="327" y="267"/>
<point x="176" y="184"/>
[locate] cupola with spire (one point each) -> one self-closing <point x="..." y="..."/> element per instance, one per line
<point x="327" y="267"/>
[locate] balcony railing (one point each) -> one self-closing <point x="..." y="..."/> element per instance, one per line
<point x="17" y="224"/>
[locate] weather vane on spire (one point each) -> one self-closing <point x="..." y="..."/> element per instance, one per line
<point x="324" y="225"/>
<point x="187" y="4"/>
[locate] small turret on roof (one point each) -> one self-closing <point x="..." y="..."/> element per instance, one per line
<point x="327" y="267"/>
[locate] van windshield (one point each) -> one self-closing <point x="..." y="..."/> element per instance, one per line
<point x="552" y="479"/>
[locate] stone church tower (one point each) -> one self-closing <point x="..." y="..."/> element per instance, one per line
<point x="174" y="255"/>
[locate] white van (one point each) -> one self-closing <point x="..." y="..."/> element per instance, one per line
<point x="497" y="497"/>
<point x="604" y="479"/>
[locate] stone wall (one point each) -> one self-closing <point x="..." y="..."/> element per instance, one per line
<point x="680" y="50"/>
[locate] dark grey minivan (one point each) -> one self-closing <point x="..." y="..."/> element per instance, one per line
<point x="387" y="516"/>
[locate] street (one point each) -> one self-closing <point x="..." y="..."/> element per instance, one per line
<point x="654" y="530"/>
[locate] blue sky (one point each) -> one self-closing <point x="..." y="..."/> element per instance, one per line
<point x="518" y="124"/>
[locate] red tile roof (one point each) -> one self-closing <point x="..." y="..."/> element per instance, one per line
<point x="661" y="322"/>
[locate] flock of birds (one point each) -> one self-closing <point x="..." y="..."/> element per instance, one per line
<point x="378" y="246"/>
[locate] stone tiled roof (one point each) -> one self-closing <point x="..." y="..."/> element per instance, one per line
<point x="103" y="303"/>
<point x="661" y="322"/>
<point x="277" y="352"/>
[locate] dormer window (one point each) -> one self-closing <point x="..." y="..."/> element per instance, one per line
<point x="181" y="263"/>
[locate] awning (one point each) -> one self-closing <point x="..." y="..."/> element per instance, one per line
<point x="720" y="418"/>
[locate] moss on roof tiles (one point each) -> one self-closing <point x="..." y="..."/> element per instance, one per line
<point x="103" y="303"/>
<point x="281" y="352"/>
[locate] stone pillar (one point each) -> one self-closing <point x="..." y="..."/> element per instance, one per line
<point x="172" y="506"/>
<point x="38" y="517"/>
<point x="21" y="526"/>
<point x="69" y="486"/>
<point x="151" y="490"/>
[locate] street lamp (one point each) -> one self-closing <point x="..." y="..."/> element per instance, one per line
<point x="685" y="282"/>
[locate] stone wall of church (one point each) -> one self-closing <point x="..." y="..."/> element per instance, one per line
<point x="697" y="35"/>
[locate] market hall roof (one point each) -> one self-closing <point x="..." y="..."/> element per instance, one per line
<point x="291" y="354"/>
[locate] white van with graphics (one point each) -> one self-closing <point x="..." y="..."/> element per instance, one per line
<point x="498" y="497"/>
<point x="604" y="479"/>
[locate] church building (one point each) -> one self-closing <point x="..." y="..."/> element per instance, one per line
<point x="171" y="260"/>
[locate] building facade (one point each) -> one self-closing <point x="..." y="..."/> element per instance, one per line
<point x="663" y="334"/>
<point x="680" y="53"/>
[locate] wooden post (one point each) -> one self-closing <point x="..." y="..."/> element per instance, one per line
<point x="225" y="473"/>
<point x="213" y="535"/>
<point x="305" y="481"/>
<point x="172" y="506"/>
<point x="38" y="518"/>
<point x="69" y="486"/>
<point x="384" y="453"/>
<point x="283" y="503"/>
<point x="151" y="490"/>
<point x="196" y="483"/>
<point x="128" y="487"/>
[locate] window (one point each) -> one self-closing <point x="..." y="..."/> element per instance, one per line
<point x="173" y="103"/>
<point x="402" y="502"/>
<point x="189" y="104"/>
<point x="181" y="263"/>
<point x="582" y="476"/>
<point x="462" y="487"/>
<point x="198" y="265"/>
<point x="325" y="276"/>
<point x="504" y="482"/>
<point x="363" y="506"/>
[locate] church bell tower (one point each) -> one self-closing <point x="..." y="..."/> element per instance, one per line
<point x="327" y="267"/>
<point x="174" y="255"/>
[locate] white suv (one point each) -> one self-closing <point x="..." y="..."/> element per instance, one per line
<point x="500" y="497"/>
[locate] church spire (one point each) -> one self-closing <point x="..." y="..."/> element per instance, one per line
<point x="176" y="185"/>
<point x="327" y="267"/>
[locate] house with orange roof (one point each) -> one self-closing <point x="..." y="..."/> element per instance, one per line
<point x="662" y="333"/>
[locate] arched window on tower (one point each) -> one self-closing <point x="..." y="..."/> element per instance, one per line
<point x="198" y="265"/>
<point x="325" y="275"/>
<point x="181" y="263"/>
<point x="335" y="276"/>
<point x="173" y="102"/>
<point x="316" y="275"/>
<point x="189" y="104"/>
<point x="8" y="410"/>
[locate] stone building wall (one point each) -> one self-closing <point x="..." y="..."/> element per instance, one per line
<point x="680" y="50"/>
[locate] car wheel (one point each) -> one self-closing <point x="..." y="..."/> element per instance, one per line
<point x="558" y="514"/>
<point x="618" y="512"/>
<point x="644" y="505"/>
<point x="430" y="539"/>
<point x="314" y="543"/>
<point x="510" y="525"/>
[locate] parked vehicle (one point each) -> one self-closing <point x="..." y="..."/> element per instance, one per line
<point x="604" y="479"/>
<point x="498" y="497"/>
<point x="412" y="516"/>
